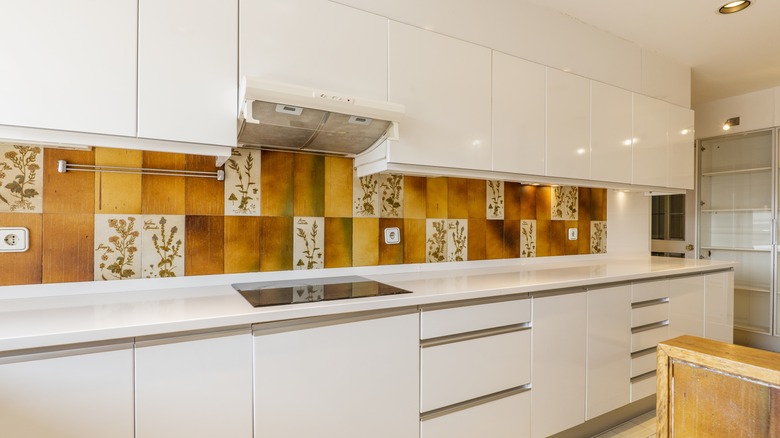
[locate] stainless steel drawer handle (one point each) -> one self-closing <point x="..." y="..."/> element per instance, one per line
<point x="460" y="337"/>
<point x="474" y="402"/>
<point x="651" y="326"/>
<point x="640" y="304"/>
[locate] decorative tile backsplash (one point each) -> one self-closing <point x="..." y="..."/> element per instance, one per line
<point x="274" y="211"/>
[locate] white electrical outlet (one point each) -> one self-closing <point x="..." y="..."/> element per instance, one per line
<point x="572" y="234"/>
<point x="14" y="239"/>
<point x="392" y="235"/>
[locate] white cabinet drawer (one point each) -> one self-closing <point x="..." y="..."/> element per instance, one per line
<point x="649" y="314"/>
<point x="461" y="371"/>
<point x="649" y="338"/>
<point x="504" y="418"/>
<point x="641" y="388"/>
<point x="643" y="364"/>
<point x="453" y="320"/>
<point x="649" y="290"/>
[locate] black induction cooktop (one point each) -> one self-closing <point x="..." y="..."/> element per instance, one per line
<point x="274" y="293"/>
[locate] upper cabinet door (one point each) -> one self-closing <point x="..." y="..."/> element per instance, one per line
<point x="187" y="67"/>
<point x="314" y="43"/>
<point x="445" y="85"/>
<point x="568" y="125"/>
<point x="518" y="115"/>
<point x="681" y="148"/>
<point x="651" y="152"/>
<point x="69" y="65"/>
<point x="611" y="133"/>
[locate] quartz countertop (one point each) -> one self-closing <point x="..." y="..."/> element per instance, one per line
<point x="71" y="318"/>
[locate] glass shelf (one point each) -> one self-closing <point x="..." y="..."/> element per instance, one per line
<point x="736" y="210"/>
<point x="738" y="171"/>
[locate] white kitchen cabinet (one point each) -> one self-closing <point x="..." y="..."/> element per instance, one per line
<point x="686" y="306"/>
<point x="69" y="65"/>
<point x="611" y="133"/>
<point x="187" y="68"/>
<point x="194" y="385"/>
<point x="445" y="85"/>
<point x="609" y="349"/>
<point x="558" y="362"/>
<point x="507" y="417"/>
<point x="350" y="377"/>
<point x="651" y="151"/>
<point x="681" y="167"/>
<point x="568" y="125"/>
<point x="314" y="43"/>
<point x="84" y="392"/>
<point x="519" y="104"/>
<point x="719" y="306"/>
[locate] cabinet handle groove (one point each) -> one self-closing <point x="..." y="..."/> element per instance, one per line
<point x="651" y="326"/>
<point x="648" y="303"/>
<point x="449" y="339"/>
<point x="643" y="376"/>
<point x="644" y="352"/>
<point x="474" y="402"/>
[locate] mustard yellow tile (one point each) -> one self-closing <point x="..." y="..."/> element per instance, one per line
<point x="457" y="198"/>
<point x="308" y="185"/>
<point x="70" y="192"/>
<point x="528" y="202"/>
<point x="365" y="241"/>
<point x="338" y="242"/>
<point x="163" y="194"/>
<point x="338" y="187"/>
<point x="476" y="239"/>
<point x="494" y="239"/>
<point x="415" y="197"/>
<point x="477" y="199"/>
<point x="276" y="184"/>
<point x="414" y="240"/>
<point x="571" y="247"/>
<point x="557" y="238"/>
<point x="543" y="237"/>
<point x="512" y="235"/>
<point x="543" y="199"/>
<point x="277" y="241"/>
<point x="513" y="192"/>
<point x="436" y="198"/>
<point x="203" y="196"/>
<point x="242" y="243"/>
<point x="117" y="192"/>
<point x="390" y="254"/>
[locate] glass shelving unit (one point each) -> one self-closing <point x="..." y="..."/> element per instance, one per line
<point x="736" y="213"/>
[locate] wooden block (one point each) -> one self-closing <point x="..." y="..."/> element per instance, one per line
<point x="276" y="184"/>
<point x="242" y="244"/>
<point x="277" y="242"/>
<point x="338" y="242"/>
<point x="309" y="185"/>
<point x="23" y="267"/>
<point x="338" y="188"/>
<point x="204" y="247"/>
<point x="203" y="196"/>
<point x="70" y="192"/>
<point x="68" y="252"/>
<point x="118" y="193"/>
<point x="163" y="194"/>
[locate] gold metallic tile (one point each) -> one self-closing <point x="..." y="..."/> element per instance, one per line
<point x="477" y="199"/>
<point x="512" y="238"/>
<point x="583" y="237"/>
<point x="390" y="254"/>
<point x="494" y="239"/>
<point x="277" y="244"/>
<point x="276" y="184"/>
<point x="528" y="202"/>
<point x="557" y="238"/>
<point x="414" y="197"/>
<point x="118" y="193"/>
<point x="308" y="185"/>
<point x="338" y="188"/>
<point x="338" y="241"/>
<point x="436" y="198"/>
<point x="543" y="198"/>
<point x="203" y="196"/>
<point x="513" y="192"/>
<point x="205" y="245"/>
<point x="571" y="247"/>
<point x="163" y="194"/>
<point x="70" y="192"/>
<point x="68" y="252"/>
<point x="457" y="198"/>
<point x="584" y="201"/>
<point x="476" y="240"/>
<point x="24" y="267"/>
<point x="413" y="240"/>
<point x="242" y="244"/>
<point x="543" y="248"/>
<point x="365" y="241"/>
<point x="598" y="199"/>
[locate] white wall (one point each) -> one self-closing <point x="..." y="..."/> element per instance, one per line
<point x="628" y="223"/>
<point x="756" y="110"/>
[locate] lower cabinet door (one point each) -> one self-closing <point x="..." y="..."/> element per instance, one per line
<point x="504" y="418"/>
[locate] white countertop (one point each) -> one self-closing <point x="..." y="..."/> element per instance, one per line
<point x="41" y="321"/>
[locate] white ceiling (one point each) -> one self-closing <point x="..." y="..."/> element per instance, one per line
<point x="728" y="54"/>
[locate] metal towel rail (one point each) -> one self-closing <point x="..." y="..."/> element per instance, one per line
<point x="63" y="166"/>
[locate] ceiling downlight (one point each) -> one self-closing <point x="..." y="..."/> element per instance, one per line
<point x="732" y="7"/>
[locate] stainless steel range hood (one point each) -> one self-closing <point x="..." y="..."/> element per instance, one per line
<point x="288" y="117"/>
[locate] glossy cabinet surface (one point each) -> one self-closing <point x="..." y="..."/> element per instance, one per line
<point x="505" y="418"/>
<point x="194" y="386"/>
<point x="611" y="133"/>
<point x="682" y="148"/>
<point x="568" y="125"/>
<point x="519" y="104"/>
<point x="686" y="306"/>
<point x="719" y="306"/>
<point x="445" y="85"/>
<point x="651" y="152"/>
<point x="558" y="362"/>
<point x="81" y="393"/>
<point x="439" y="322"/>
<point x="69" y="65"/>
<point x="187" y="67"/>
<point x="352" y="377"/>
<point x="609" y="350"/>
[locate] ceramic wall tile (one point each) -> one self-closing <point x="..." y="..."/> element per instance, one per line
<point x="583" y="236"/>
<point x="338" y="187"/>
<point x="391" y="195"/>
<point x="277" y="243"/>
<point x="598" y="210"/>
<point x="494" y="197"/>
<point x="203" y="196"/>
<point x="69" y="192"/>
<point x="476" y="239"/>
<point x="598" y="237"/>
<point x="571" y="246"/>
<point x="242" y="243"/>
<point x="457" y="198"/>
<point x="543" y="238"/>
<point x="390" y="254"/>
<point x="413" y="240"/>
<point x="338" y="242"/>
<point x="309" y="243"/>
<point x="276" y="184"/>
<point x="21" y="179"/>
<point x="308" y="185"/>
<point x="494" y="240"/>
<point x="163" y="239"/>
<point x="242" y="183"/>
<point x="584" y="202"/>
<point x="513" y="197"/>
<point x="528" y="238"/>
<point x="436" y="198"/>
<point x="118" y="193"/>
<point x="163" y="194"/>
<point x="365" y="245"/>
<point x="477" y="189"/>
<point x="205" y="245"/>
<point x="436" y="240"/>
<point x="23" y="267"/>
<point x="446" y="240"/>
<point x="365" y="196"/>
<point x="118" y="247"/>
<point x="528" y="205"/>
<point x="67" y="249"/>
<point x="511" y="239"/>
<point x="557" y="238"/>
<point x="457" y="240"/>
<point x="563" y="202"/>
<point x="415" y="197"/>
<point x="543" y="197"/>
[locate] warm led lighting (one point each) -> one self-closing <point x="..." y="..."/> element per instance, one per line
<point x="726" y="127"/>
<point x="734" y="121"/>
<point x="685" y="132"/>
<point x="627" y="142"/>
<point x="476" y="143"/>
<point x="732" y="7"/>
<point x="581" y="151"/>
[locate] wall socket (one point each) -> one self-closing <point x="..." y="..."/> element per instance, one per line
<point x="14" y="239"/>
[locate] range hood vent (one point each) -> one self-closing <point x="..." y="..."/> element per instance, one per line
<point x="287" y="117"/>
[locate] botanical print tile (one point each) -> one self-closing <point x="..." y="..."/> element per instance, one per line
<point x="413" y="240"/>
<point x="436" y="240"/>
<point x="70" y="192"/>
<point x="118" y="246"/>
<point x="598" y="237"/>
<point x="338" y="187"/>
<point x="457" y="240"/>
<point x="365" y="196"/>
<point x="205" y="249"/>
<point x="391" y="195"/>
<point x="494" y="194"/>
<point x="23" y="267"/>
<point x="67" y="248"/>
<point x="276" y="184"/>
<point x="119" y="193"/>
<point x="163" y="246"/>
<point x="308" y="185"/>
<point x="563" y="202"/>
<point x="21" y="183"/>
<point x="528" y="238"/>
<point x="338" y="242"/>
<point x="242" y="183"/>
<point x="308" y="293"/>
<point x="309" y="243"/>
<point x="242" y="243"/>
<point x="163" y="194"/>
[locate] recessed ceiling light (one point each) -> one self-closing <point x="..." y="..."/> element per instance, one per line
<point x="732" y="7"/>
